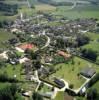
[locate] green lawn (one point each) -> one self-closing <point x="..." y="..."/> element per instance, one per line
<point x="12" y="70"/>
<point x="96" y="86"/>
<point x="92" y="36"/>
<point x="29" y="86"/>
<point x="4" y="35"/>
<point x="69" y="71"/>
<point x="59" y="96"/>
<point x="3" y="85"/>
<point x="93" y="46"/>
<point x="45" y="89"/>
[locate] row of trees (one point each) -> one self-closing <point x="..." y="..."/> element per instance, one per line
<point x="79" y="41"/>
<point x="92" y="93"/>
<point x="35" y="56"/>
<point x="88" y="53"/>
<point x="94" y="80"/>
<point x="82" y="40"/>
<point x="5" y="78"/>
<point x="58" y="59"/>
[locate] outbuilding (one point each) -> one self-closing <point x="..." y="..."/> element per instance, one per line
<point x="88" y="72"/>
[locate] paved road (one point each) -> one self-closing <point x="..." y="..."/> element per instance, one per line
<point x="47" y="43"/>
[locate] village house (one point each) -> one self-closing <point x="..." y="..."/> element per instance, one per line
<point x="23" y="47"/>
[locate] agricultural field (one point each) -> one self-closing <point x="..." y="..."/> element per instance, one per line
<point x="44" y="7"/>
<point x="80" y="11"/>
<point x="69" y="71"/>
<point x="77" y="12"/>
<point x="67" y="0"/>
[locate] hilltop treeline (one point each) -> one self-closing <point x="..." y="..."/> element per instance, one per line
<point x="54" y="3"/>
<point x="8" y="8"/>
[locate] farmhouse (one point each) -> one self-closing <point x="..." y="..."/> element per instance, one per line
<point x="88" y="72"/>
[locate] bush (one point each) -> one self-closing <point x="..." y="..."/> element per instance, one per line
<point x="92" y="94"/>
<point x="94" y="80"/>
<point x="36" y="96"/>
<point x="71" y="86"/>
<point x="58" y="59"/>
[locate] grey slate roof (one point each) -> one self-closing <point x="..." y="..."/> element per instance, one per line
<point x="88" y="72"/>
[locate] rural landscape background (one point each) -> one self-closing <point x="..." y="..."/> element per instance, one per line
<point x="49" y="49"/>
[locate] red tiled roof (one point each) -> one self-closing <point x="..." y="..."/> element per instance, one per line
<point x="26" y="46"/>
